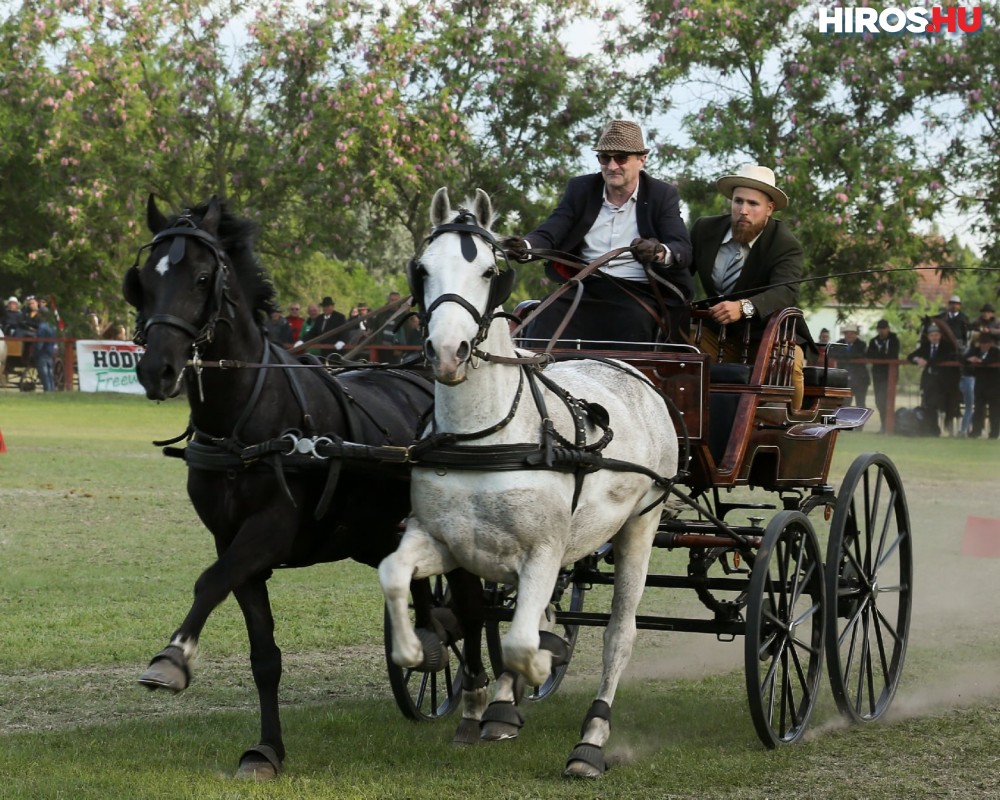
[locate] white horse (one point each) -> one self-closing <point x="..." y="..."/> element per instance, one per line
<point x="519" y="524"/>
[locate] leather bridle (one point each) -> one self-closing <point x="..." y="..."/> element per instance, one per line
<point x="183" y="229"/>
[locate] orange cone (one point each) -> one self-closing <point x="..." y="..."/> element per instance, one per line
<point x="3" y="447"/>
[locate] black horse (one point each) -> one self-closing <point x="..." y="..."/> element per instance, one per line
<point x="274" y="451"/>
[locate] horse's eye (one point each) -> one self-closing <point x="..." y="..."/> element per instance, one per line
<point x="202" y="279"/>
<point x="490" y="273"/>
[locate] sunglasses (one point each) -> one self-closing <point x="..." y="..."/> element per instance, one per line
<point x="619" y="158"/>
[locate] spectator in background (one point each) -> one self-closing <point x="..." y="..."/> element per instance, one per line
<point x="312" y="314"/>
<point x="380" y="321"/>
<point x="13" y="319"/>
<point x="984" y="358"/>
<point x="32" y="314"/>
<point x="279" y="331"/>
<point x="818" y="358"/>
<point x="936" y="381"/>
<point x="986" y="321"/>
<point x="115" y="331"/>
<point x="884" y="345"/>
<point x="295" y="320"/>
<point x="963" y="394"/>
<point x="408" y="333"/>
<point x="44" y="352"/>
<point x="857" y="374"/>
<point x="327" y="321"/>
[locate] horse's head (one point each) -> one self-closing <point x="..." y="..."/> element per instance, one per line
<point x="457" y="284"/>
<point x="180" y="293"/>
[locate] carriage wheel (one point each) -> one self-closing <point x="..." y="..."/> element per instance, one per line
<point x="869" y="583"/>
<point x="427" y="696"/>
<point x="505" y="596"/>
<point x="785" y="629"/>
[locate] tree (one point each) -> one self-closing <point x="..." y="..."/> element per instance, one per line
<point x="330" y="124"/>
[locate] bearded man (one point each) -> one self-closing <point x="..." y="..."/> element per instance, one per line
<point x="750" y="253"/>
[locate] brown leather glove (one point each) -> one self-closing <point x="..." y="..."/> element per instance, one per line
<point x="644" y="250"/>
<point x="515" y="247"/>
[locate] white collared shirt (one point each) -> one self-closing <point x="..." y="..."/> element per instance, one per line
<point x="615" y="226"/>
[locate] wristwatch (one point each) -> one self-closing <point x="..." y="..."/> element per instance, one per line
<point x="747" y="308"/>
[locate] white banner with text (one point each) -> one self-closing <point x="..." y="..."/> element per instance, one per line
<point x="108" y="366"/>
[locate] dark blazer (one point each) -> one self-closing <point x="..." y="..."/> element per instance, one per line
<point x="883" y="348"/>
<point x="776" y="257"/>
<point x="988" y="372"/>
<point x="657" y="214"/>
<point x="324" y="324"/>
<point x="936" y="377"/>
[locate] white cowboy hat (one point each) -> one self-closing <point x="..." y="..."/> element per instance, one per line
<point x="12" y="300"/>
<point x="753" y="176"/>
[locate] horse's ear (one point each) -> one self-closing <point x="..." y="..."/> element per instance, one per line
<point x="132" y="287"/>
<point x="154" y="219"/>
<point x="210" y="222"/>
<point x="440" y="207"/>
<point x="483" y="209"/>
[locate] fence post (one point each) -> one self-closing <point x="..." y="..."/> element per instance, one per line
<point x="69" y="363"/>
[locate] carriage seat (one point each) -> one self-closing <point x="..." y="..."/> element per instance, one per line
<point x="824" y="376"/>
<point x="730" y="373"/>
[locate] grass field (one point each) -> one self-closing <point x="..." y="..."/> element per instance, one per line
<point x="99" y="550"/>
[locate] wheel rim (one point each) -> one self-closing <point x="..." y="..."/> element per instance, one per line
<point x="426" y="696"/>
<point x="870" y="583"/>
<point x="506" y="598"/>
<point x="785" y="629"/>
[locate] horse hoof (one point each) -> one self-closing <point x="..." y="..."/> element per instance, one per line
<point x="500" y="721"/>
<point x="259" y="763"/>
<point x="555" y="644"/>
<point x="586" y="761"/>
<point x="435" y="652"/>
<point x="467" y="733"/>
<point x="167" y="670"/>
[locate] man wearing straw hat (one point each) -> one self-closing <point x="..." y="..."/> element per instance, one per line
<point x="750" y="253"/>
<point x="620" y="206"/>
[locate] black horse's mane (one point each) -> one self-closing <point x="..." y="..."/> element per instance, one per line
<point x="238" y="237"/>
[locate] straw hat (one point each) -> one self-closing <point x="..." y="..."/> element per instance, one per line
<point x="753" y="176"/>
<point x="621" y="136"/>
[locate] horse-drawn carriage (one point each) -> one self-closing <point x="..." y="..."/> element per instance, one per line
<point x="658" y="448"/>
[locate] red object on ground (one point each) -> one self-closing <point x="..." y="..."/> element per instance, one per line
<point x="982" y="537"/>
<point x="3" y="447"/>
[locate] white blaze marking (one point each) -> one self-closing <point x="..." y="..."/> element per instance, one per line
<point x="163" y="265"/>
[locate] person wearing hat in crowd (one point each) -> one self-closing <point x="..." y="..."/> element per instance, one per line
<point x="326" y="321"/>
<point x="984" y="358"/>
<point x="619" y="206"/>
<point x="986" y="321"/>
<point x="749" y="252"/>
<point x="963" y="394"/>
<point x="936" y="381"/>
<point x="13" y="319"/>
<point x="884" y="345"/>
<point x="852" y="348"/>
